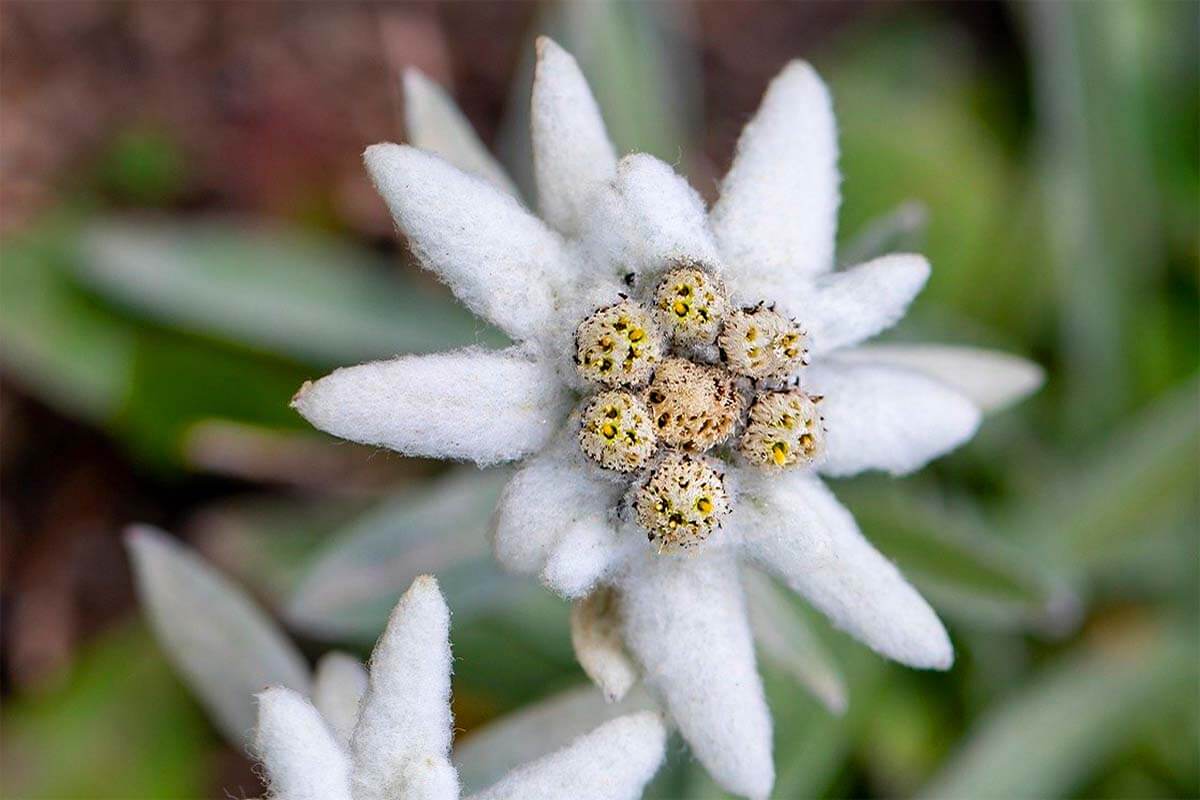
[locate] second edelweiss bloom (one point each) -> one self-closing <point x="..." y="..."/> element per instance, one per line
<point x="390" y="736"/>
<point x="681" y="379"/>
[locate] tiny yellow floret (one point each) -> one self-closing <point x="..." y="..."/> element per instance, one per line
<point x="761" y="343"/>
<point x="618" y="345"/>
<point x="785" y="430"/>
<point x="616" y="432"/>
<point x="681" y="502"/>
<point x="690" y="306"/>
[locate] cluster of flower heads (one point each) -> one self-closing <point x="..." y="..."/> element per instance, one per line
<point x="685" y="385"/>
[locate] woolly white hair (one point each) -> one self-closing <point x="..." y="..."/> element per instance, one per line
<point x="399" y="739"/>
<point x="608" y="224"/>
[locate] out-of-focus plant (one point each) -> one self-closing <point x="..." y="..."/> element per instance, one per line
<point x="145" y="327"/>
<point x="228" y="651"/>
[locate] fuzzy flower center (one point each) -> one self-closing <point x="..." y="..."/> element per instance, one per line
<point x="663" y="400"/>
<point x="785" y="429"/>
<point x="690" y="305"/>
<point x="761" y="343"/>
<point x="616" y="431"/>
<point x="681" y="502"/>
<point x="618" y="345"/>
<point x="694" y="406"/>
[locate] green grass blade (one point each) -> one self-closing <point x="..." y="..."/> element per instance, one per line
<point x="1058" y="729"/>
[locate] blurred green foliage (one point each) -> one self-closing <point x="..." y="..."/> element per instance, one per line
<point x="143" y="166"/>
<point x="1062" y="203"/>
<point x="120" y="726"/>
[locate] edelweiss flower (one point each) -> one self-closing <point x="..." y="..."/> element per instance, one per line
<point x="681" y="379"/>
<point x="395" y="742"/>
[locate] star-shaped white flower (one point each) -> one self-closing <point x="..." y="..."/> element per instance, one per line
<point x="681" y="378"/>
<point x="394" y="742"/>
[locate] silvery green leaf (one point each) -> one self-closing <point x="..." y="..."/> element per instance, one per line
<point x="56" y="342"/>
<point x="283" y="291"/>
<point x="434" y="122"/>
<point x="1055" y="731"/>
<point x="222" y="644"/>
<point x="441" y="529"/>
<point x="992" y="380"/>
<point x="898" y="231"/>
<point x="966" y="571"/>
<point x="535" y="730"/>
<point x="784" y="637"/>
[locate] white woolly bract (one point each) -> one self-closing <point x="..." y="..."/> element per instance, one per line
<point x="338" y="686"/>
<point x="846" y="307"/>
<point x="886" y="418"/>
<point x="405" y="713"/>
<point x="990" y="379"/>
<point x="684" y="620"/>
<point x="777" y="214"/>
<point x="301" y="756"/>
<point x="765" y="519"/>
<point x="556" y="497"/>
<point x="596" y="637"/>
<point x="434" y="123"/>
<point x="572" y="154"/>
<point x="667" y="217"/>
<point x="474" y="404"/>
<point x="584" y="555"/>
<point x="857" y="588"/>
<point x="613" y="762"/>
<point x="501" y="261"/>
<point x="497" y="747"/>
<point x="428" y="778"/>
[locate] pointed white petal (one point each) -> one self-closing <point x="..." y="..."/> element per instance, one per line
<point x="990" y="379"/>
<point x="499" y="259"/>
<point x="428" y="778"/>
<point x="338" y="687"/>
<point x="489" y="752"/>
<point x="301" y="756"/>
<point x="405" y="714"/>
<point x="613" y="762"/>
<point x="777" y="216"/>
<point x="844" y="308"/>
<point x="478" y="405"/>
<point x="555" y="496"/>
<point x="596" y="637"/>
<point x="224" y="645"/>
<point x="584" y="555"/>
<point x="666" y="214"/>
<point x="685" y="622"/>
<point x="610" y="243"/>
<point x="753" y="521"/>
<point x="571" y="150"/>
<point x="857" y="588"/>
<point x="434" y="122"/>
<point x="886" y="418"/>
